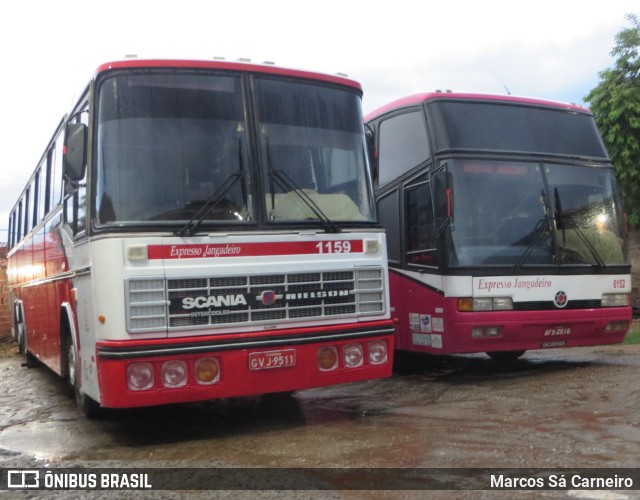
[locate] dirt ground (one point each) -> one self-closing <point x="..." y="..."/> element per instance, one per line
<point x="550" y="409"/>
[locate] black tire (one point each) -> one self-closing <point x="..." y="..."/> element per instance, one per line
<point x="89" y="407"/>
<point x="505" y="356"/>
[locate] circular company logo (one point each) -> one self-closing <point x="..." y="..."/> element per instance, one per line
<point x="560" y="300"/>
<point x="268" y="297"/>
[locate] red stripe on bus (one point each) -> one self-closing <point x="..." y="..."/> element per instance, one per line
<point x="202" y="251"/>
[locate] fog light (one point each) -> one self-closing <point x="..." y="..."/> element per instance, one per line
<point x="207" y="371"/>
<point x="327" y="358"/>
<point x="477" y="333"/>
<point x="480" y="332"/>
<point x="140" y="376"/>
<point x="353" y="355"/>
<point x="174" y="373"/>
<point x="492" y="331"/>
<point x="617" y="326"/>
<point x="377" y="352"/>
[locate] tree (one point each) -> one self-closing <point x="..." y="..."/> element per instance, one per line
<point x="615" y="104"/>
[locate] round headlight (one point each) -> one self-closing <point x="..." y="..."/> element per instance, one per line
<point x="140" y="376"/>
<point x="353" y="355"/>
<point x="377" y="352"/>
<point x="174" y="373"/>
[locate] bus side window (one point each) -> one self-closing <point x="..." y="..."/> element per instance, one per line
<point x="75" y="208"/>
<point x="403" y="145"/>
<point x="27" y="213"/>
<point x="421" y="234"/>
<point x="388" y="213"/>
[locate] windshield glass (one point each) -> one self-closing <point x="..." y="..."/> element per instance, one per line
<point x="494" y="126"/>
<point x="313" y="153"/>
<point x="167" y="142"/>
<point x="174" y="149"/>
<point x="506" y="214"/>
<point x="585" y="211"/>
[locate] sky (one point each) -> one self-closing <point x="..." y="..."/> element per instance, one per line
<point x="50" y="48"/>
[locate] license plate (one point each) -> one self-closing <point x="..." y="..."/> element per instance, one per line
<point x="272" y="359"/>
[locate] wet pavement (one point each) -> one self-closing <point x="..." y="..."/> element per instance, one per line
<point x="550" y="409"/>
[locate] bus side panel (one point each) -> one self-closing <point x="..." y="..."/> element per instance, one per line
<point x="237" y="378"/>
<point x="46" y="314"/>
<point x="418" y="311"/>
<point x="31" y="304"/>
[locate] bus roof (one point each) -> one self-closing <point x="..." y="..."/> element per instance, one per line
<point x="265" y="68"/>
<point x="419" y="98"/>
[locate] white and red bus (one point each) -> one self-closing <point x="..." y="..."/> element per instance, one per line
<point x="505" y="229"/>
<point x="199" y="230"/>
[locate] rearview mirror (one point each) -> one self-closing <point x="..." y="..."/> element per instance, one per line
<point x="443" y="194"/>
<point x="75" y="151"/>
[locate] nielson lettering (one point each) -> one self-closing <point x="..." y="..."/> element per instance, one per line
<point x="213" y="301"/>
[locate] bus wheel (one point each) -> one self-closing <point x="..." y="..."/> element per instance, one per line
<point x="89" y="407"/>
<point x="505" y="356"/>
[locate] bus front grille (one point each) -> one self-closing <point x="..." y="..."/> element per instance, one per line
<point x="160" y="303"/>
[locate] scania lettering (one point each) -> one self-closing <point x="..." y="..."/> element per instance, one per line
<point x="213" y="301"/>
<point x="187" y="219"/>
<point x="504" y="224"/>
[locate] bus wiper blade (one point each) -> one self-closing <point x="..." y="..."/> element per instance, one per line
<point x="539" y="228"/>
<point x="190" y="227"/>
<point x="287" y="184"/>
<point x="562" y="218"/>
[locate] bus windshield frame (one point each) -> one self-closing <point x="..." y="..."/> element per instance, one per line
<point x="175" y="150"/>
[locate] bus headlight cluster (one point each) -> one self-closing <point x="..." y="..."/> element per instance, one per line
<point x="615" y="300"/>
<point x="141" y="376"/>
<point x="352" y="355"/>
<point x="469" y="304"/>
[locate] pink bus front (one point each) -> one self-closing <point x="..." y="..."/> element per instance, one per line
<point x="504" y="224"/>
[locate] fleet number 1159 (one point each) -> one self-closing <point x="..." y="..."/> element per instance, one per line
<point x="334" y="247"/>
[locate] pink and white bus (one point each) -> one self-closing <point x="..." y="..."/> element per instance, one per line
<point x="505" y="229"/>
<point x="199" y="230"/>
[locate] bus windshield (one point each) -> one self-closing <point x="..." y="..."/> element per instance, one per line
<point x="527" y="214"/>
<point x="492" y="126"/>
<point x="174" y="148"/>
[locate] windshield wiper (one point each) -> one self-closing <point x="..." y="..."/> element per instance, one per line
<point x="540" y="227"/>
<point x="561" y="218"/>
<point x="285" y="182"/>
<point x="190" y="227"/>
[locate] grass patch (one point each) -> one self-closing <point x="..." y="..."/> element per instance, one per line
<point x="633" y="336"/>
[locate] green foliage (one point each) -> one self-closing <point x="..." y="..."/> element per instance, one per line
<point x="615" y="104"/>
<point x="633" y="336"/>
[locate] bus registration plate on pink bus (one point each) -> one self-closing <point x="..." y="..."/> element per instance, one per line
<point x="272" y="359"/>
